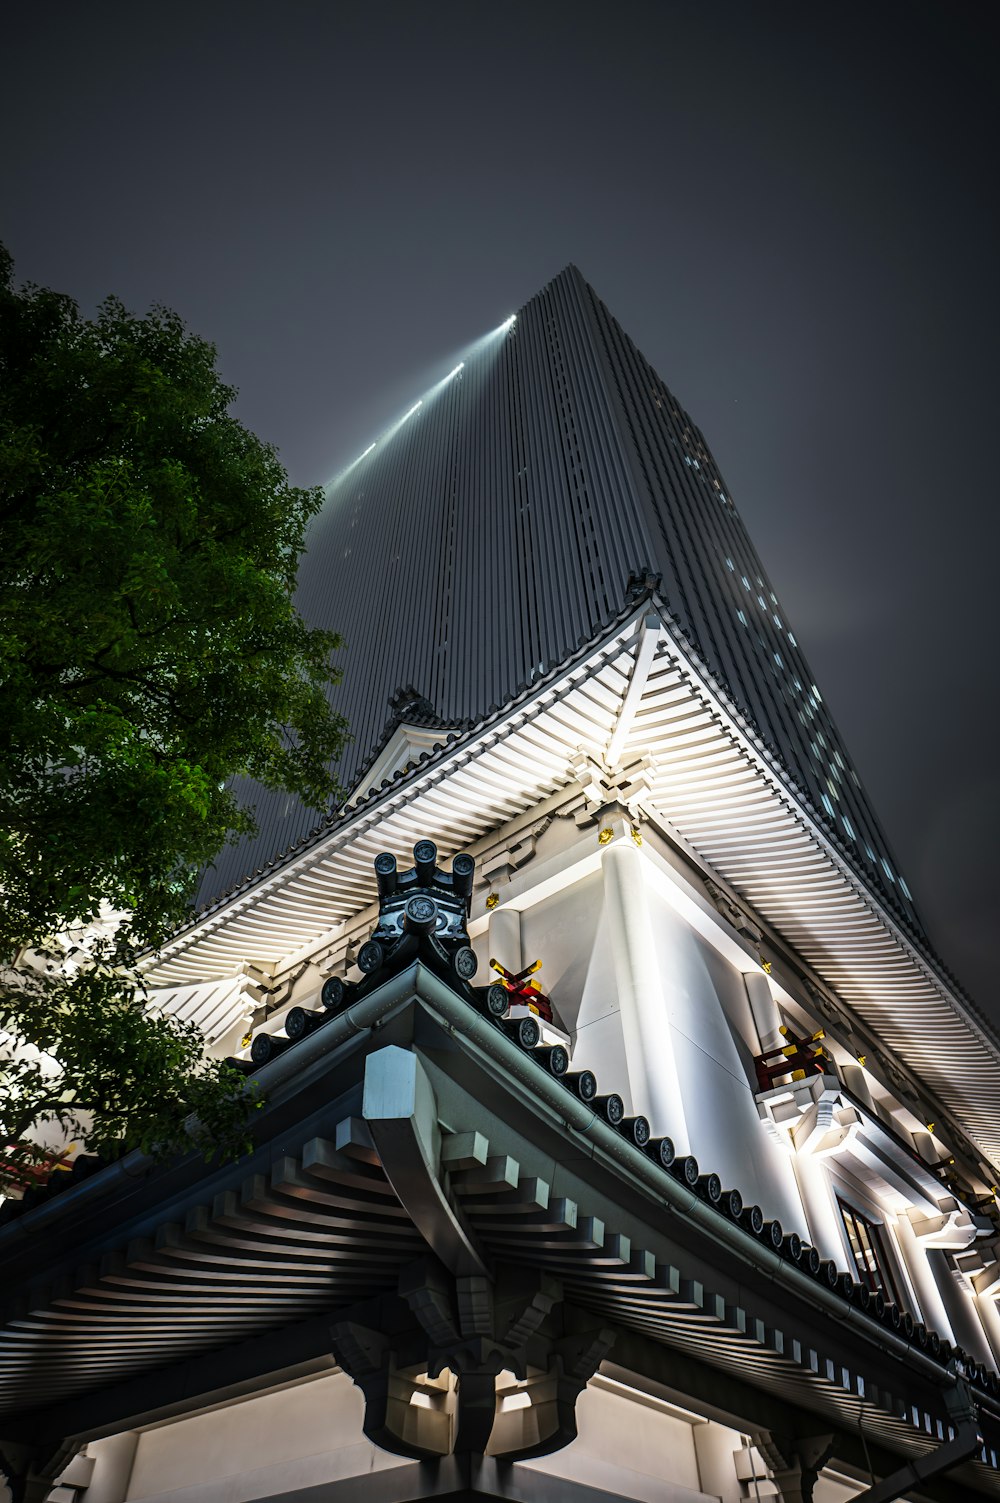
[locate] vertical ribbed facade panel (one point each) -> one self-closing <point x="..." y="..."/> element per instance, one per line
<point x="479" y="541"/>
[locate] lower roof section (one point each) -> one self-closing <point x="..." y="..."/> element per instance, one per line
<point x="389" y="1229"/>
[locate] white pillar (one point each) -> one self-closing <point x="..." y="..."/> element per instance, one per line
<point x="924" y="1282"/>
<point x="765" y="1011"/>
<point x="505" y="937"/>
<point x="823" y="1220"/>
<point x="961" y="1307"/>
<point x="715" y="1449"/>
<point x="649" y="1050"/>
<point x="986" y="1309"/>
<point x="856" y="1081"/>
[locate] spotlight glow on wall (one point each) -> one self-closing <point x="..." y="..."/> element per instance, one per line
<point x="352" y="466"/>
<point x="485" y="344"/>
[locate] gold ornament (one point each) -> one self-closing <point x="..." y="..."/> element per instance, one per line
<point x="605" y="836"/>
<point x="492" y="900"/>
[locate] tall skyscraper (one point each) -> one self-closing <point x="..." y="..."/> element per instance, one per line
<point x="498" y="523"/>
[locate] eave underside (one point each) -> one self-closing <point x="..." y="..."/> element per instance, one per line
<point x="314" y="1226"/>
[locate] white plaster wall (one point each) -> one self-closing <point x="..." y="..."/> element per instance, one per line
<point x="568" y="933"/>
<point x="960" y="1306"/>
<point x="710" y="1023"/>
<point x="302" y="1436"/>
<point x="630" y="1449"/>
<point x="710" y="1030"/>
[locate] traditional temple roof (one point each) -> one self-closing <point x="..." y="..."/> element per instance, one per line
<point x="636" y="709"/>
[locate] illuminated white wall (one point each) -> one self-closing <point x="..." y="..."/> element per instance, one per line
<point x="302" y="1436"/>
<point x="695" y="1044"/>
<point x="309" y="1435"/>
<point x="569" y="933"/>
<point x="710" y="1026"/>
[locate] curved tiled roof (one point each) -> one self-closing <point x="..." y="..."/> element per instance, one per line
<point x="264" y="1247"/>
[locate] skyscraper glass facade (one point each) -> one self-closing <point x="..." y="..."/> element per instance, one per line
<point x="472" y="547"/>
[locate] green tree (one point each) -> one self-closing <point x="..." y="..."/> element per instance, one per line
<point x="149" y="652"/>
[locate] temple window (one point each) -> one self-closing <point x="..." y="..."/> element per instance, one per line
<point x="871" y="1261"/>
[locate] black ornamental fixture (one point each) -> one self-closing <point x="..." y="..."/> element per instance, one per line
<point x="554" y="1057"/>
<point x="773" y="1235"/>
<point x="335" y="994"/>
<point x="524" y="1031"/>
<point x="299" y="1022"/>
<point x="423" y="915"/>
<point x="267" y="1046"/>
<point x="611" y="1108"/>
<point x="811" y="1260"/>
<point x="791" y="1246"/>
<point x="753" y="1220"/>
<point x="493" y="1000"/>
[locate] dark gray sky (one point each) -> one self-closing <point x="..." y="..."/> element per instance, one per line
<point x="791" y="209"/>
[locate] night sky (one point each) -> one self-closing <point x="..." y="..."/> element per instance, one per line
<point x="790" y="208"/>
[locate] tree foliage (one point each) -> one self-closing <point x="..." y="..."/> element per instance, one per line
<point x="149" y="649"/>
<point x="89" y="1059"/>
